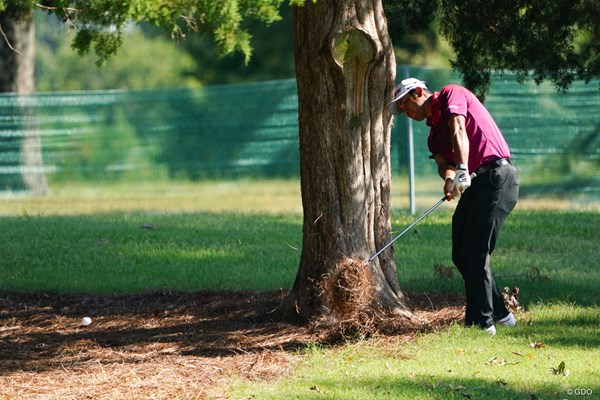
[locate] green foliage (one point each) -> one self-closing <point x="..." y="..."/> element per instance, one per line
<point x="413" y="31"/>
<point x="135" y="66"/>
<point x="272" y="53"/>
<point x="99" y="24"/>
<point x="551" y="40"/>
<point x="16" y="9"/>
<point x="409" y="16"/>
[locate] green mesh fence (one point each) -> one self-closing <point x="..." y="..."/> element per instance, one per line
<point x="221" y="131"/>
<point x="233" y="131"/>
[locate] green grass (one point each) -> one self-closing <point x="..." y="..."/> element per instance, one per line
<point x="246" y="235"/>
<point x="560" y="246"/>
<point x="457" y="363"/>
<point x="115" y="253"/>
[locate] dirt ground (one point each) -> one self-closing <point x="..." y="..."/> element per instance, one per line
<point x="156" y="345"/>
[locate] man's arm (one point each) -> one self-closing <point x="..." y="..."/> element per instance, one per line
<point x="447" y="171"/>
<point x="459" y="138"/>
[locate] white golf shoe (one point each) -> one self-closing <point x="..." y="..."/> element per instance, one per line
<point x="509" y="320"/>
<point x="491" y="330"/>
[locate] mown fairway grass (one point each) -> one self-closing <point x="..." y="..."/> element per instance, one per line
<point x="90" y="241"/>
<point x="456" y="363"/>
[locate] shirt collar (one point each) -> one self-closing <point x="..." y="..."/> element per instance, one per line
<point x="435" y="110"/>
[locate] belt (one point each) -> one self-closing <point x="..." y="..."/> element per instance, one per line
<point x="491" y="165"/>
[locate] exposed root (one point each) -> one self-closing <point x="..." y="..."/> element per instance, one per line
<point x="353" y="309"/>
<point x="347" y="293"/>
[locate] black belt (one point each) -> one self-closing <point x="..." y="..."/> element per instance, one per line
<point x="491" y="165"/>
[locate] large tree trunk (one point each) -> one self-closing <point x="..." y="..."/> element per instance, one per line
<point x="345" y="71"/>
<point x="17" y="61"/>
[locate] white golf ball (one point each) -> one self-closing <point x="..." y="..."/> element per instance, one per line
<point x="86" y="320"/>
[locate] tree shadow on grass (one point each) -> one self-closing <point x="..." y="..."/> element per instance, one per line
<point x="431" y="387"/>
<point x="579" y="328"/>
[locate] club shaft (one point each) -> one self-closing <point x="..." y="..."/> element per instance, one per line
<point x="436" y="205"/>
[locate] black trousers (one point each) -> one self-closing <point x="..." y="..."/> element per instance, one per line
<point x="476" y="226"/>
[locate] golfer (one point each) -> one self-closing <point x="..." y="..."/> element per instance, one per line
<point x="473" y="159"/>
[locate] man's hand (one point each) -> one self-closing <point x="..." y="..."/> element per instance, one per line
<point x="461" y="182"/>
<point x="449" y="189"/>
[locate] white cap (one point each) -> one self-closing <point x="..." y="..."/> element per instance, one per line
<point x="404" y="87"/>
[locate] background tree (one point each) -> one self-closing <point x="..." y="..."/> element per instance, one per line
<point x="17" y="66"/>
<point x="548" y="40"/>
<point x="197" y="60"/>
<point x="58" y="68"/>
<point x="413" y="29"/>
<point x="99" y="25"/>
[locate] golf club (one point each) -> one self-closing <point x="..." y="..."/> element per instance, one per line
<point x="436" y="205"/>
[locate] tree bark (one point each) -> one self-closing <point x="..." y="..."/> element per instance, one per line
<point x="17" y="63"/>
<point x="345" y="71"/>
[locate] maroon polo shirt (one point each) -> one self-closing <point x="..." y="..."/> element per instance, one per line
<point x="486" y="143"/>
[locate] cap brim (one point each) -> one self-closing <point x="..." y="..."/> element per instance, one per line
<point x="394" y="105"/>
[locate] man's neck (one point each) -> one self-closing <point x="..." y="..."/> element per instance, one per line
<point x="427" y="106"/>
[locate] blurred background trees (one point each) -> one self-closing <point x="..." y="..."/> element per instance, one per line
<point x="150" y="59"/>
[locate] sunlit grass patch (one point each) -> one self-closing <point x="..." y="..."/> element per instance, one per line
<point x="457" y="363"/>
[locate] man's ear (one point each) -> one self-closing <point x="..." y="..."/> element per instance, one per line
<point x="418" y="91"/>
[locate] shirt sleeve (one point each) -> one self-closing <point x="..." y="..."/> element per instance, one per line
<point x="454" y="101"/>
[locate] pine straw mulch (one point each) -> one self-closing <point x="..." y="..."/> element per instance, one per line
<point x="156" y="345"/>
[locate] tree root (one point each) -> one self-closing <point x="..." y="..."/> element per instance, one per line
<point x="354" y="307"/>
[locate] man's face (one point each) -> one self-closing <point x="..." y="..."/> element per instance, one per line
<point x="412" y="105"/>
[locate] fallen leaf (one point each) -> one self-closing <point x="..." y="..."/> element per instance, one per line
<point x="496" y="362"/>
<point x="511" y="299"/>
<point x="561" y="370"/>
<point x="316" y="389"/>
<point x="536" y="345"/>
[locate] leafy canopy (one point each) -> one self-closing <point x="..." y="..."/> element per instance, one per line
<point x="99" y="24"/>
<point x="556" y="40"/>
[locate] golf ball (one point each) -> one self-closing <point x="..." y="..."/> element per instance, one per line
<point x="86" y="320"/>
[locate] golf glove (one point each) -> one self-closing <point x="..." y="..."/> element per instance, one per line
<point x="462" y="181"/>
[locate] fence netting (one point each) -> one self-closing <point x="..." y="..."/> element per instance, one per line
<point x="251" y="130"/>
